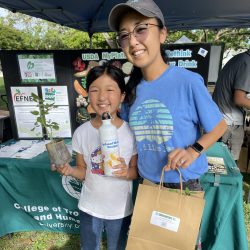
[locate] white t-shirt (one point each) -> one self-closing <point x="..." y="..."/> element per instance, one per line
<point x="101" y="196"/>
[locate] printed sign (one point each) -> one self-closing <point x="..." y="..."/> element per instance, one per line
<point x="37" y="68"/>
<point x="194" y="57"/>
<point x="25" y="122"/>
<point x="55" y="94"/>
<point x="21" y="96"/>
<point x="61" y="116"/>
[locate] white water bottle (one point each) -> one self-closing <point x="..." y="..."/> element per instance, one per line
<point x="109" y="144"/>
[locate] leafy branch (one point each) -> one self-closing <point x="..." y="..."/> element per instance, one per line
<point x="44" y="109"/>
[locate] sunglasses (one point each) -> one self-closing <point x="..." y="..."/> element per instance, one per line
<point x="140" y="32"/>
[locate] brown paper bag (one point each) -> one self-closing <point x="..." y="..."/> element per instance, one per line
<point x="165" y="219"/>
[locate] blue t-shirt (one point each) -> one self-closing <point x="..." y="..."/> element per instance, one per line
<point x="169" y="113"/>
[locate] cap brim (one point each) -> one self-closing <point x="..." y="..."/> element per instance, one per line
<point x="117" y="12"/>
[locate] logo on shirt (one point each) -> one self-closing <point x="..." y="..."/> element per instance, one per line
<point x="97" y="166"/>
<point x="152" y="121"/>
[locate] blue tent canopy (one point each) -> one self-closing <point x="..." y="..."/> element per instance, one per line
<point x="91" y="15"/>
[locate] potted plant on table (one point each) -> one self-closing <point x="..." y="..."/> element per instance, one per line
<point x="57" y="150"/>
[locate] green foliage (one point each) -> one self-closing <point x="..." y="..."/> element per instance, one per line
<point x="99" y="42"/>
<point x="232" y="38"/>
<point x="19" y="31"/>
<point x="74" y="39"/>
<point x="44" y="109"/>
<point x="10" y="38"/>
<point x="3" y="105"/>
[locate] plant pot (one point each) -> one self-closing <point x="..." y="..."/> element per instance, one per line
<point x="58" y="152"/>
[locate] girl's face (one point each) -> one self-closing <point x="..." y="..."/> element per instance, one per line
<point x="146" y="51"/>
<point x="105" y="95"/>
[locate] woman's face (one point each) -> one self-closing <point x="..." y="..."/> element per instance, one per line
<point x="146" y="51"/>
<point x="105" y="95"/>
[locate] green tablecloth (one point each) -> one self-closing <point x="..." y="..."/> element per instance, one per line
<point x="32" y="197"/>
<point x="223" y="224"/>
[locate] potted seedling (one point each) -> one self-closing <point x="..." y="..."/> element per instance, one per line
<point x="57" y="150"/>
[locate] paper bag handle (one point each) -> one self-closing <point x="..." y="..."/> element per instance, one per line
<point x="160" y="189"/>
<point x="162" y="178"/>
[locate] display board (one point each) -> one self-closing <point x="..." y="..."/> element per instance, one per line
<point x="59" y="76"/>
<point x="202" y="58"/>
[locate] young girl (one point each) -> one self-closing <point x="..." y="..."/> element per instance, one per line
<point x="105" y="202"/>
<point x="167" y="105"/>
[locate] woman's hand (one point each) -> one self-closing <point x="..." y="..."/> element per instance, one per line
<point x="120" y="170"/>
<point x="65" y="169"/>
<point x="180" y="157"/>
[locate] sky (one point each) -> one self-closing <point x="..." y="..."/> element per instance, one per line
<point x="3" y="12"/>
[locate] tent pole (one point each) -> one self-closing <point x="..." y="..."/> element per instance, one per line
<point x="90" y="40"/>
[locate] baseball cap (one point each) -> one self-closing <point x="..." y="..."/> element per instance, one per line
<point x="147" y="8"/>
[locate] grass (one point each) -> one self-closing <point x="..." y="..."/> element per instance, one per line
<point x="42" y="241"/>
<point x="247" y="220"/>
<point x="2" y="92"/>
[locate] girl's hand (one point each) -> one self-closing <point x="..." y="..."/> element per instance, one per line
<point x="65" y="169"/>
<point x="120" y="170"/>
<point x="180" y="157"/>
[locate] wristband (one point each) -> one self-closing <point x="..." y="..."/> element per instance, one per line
<point x="197" y="147"/>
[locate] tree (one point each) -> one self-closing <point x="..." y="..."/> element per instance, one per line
<point x="19" y="31"/>
<point x="41" y="34"/>
<point x="10" y="38"/>
<point x="232" y="38"/>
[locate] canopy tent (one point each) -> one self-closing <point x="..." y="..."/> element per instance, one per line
<point x="91" y="16"/>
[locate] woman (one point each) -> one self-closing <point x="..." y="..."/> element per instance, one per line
<point x="167" y="106"/>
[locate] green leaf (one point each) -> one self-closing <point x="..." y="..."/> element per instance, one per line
<point x="187" y="191"/>
<point x="39" y="119"/>
<point x="56" y="127"/>
<point x="35" y="112"/>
